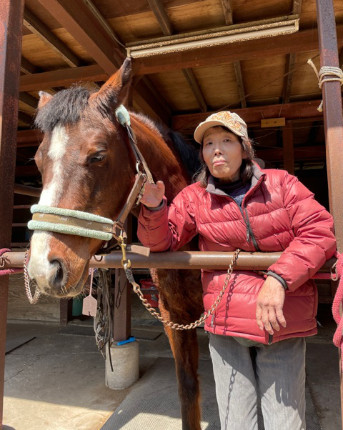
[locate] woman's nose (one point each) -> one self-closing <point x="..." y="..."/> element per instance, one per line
<point x="217" y="150"/>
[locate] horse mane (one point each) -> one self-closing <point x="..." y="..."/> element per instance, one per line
<point x="188" y="154"/>
<point x="65" y="107"/>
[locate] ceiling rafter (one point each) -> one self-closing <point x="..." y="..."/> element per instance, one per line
<point x="85" y="27"/>
<point x="290" y="61"/>
<point x="187" y="123"/>
<point x="37" y="27"/>
<point x="193" y="83"/>
<point x="161" y="15"/>
<point x="25" y="118"/>
<point x="167" y="29"/>
<point x="301" y="41"/>
<point x="61" y="78"/>
<point x="227" y="10"/>
<point x="28" y="100"/>
<point x="26" y="67"/>
<point x="297" y="112"/>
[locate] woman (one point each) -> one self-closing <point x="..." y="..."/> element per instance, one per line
<point x="257" y="334"/>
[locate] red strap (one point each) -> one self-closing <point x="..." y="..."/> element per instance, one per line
<point x="337" y="303"/>
<point x="4" y="272"/>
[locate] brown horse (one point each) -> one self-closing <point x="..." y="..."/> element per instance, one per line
<point x="87" y="165"/>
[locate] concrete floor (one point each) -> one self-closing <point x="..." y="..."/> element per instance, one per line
<point x="54" y="380"/>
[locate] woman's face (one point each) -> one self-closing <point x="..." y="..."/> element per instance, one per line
<point x="223" y="153"/>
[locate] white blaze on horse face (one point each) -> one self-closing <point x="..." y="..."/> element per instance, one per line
<point x="39" y="266"/>
<point x="52" y="192"/>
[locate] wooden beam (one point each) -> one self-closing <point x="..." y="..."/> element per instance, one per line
<point x="88" y="30"/>
<point x="296" y="7"/>
<point x="82" y="24"/>
<point x="290" y="61"/>
<point x="28" y="100"/>
<point x="288" y="147"/>
<point x="102" y="21"/>
<point x="240" y="83"/>
<point x="288" y="78"/>
<point x="193" y="83"/>
<point x="187" y="123"/>
<point x="157" y="7"/>
<point x="29" y="136"/>
<point x="302" y="41"/>
<point x="26" y="67"/>
<point x="32" y="23"/>
<point x="11" y="15"/>
<point x="305" y="153"/>
<point x="62" y="78"/>
<point x="227" y="10"/>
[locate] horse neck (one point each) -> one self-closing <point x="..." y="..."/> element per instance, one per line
<point x="162" y="161"/>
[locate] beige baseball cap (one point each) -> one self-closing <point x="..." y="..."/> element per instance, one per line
<point x="227" y="119"/>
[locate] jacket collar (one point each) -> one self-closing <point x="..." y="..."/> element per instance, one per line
<point x="258" y="173"/>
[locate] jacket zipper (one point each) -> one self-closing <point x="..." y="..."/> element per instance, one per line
<point x="250" y="233"/>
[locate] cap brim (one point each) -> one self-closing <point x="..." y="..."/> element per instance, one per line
<point x="203" y="127"/>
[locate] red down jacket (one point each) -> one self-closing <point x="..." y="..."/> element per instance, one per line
<point x="283" y="216"/>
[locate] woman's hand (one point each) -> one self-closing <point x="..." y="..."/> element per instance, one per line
<point x="269" y="306"/>
<point x="153" y="194"/>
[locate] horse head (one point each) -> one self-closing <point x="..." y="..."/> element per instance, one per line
<point x="85" y="166"/>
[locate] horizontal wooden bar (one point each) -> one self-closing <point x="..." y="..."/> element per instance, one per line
<point x="26" y="190"/>
<point x="177" y="260"/>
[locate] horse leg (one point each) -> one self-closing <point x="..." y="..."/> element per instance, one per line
<point x="184" y="345"/>
<point x="180" y="301"/>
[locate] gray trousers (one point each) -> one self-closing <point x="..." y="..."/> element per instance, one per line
<point x="274" y="373"/>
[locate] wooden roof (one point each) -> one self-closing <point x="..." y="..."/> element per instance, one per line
<point x="187" y="71"/>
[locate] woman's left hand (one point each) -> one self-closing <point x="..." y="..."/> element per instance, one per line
<point x="269" y="306"/>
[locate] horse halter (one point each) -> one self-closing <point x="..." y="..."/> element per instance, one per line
<point x="85" y="224"/>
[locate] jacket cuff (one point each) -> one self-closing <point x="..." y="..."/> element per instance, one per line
<point x="157" y="208"/>
<point x="279" y="278"/>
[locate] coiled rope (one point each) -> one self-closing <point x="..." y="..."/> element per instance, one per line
<point x="326" y="74"/>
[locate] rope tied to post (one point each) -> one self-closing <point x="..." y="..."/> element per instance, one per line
<point x="326" y="74"/>
<point x="3" y="271"/>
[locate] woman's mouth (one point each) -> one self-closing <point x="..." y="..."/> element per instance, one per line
<point x="218" y="163"/>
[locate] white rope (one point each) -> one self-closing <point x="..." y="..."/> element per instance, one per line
<point x="326" y="74"/>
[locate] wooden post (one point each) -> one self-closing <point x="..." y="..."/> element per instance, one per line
<point x="333" y="121"/>
<point x="288" y="147"/>
<point x="122" y="298"/>
<point x="11" y="17"/>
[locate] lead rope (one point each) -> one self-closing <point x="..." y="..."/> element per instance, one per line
<point x="175" y="326"/>
<point x="33" y="300"/>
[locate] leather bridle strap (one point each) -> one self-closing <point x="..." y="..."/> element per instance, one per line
<point x="132" y="199"/>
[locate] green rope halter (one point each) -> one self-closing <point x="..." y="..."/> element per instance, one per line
<point x="92" y="226"/>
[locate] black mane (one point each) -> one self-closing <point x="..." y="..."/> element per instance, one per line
<point x="188" y="154"/>
<point x="64" y="108"/>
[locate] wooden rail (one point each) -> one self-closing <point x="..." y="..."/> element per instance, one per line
<point x="177" y="260"/>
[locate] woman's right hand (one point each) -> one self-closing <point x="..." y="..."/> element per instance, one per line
<point x="153" y="194"/>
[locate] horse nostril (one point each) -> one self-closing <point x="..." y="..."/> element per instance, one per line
<point x="58" y="277"/>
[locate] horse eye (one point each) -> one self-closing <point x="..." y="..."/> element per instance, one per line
<point x="96" y="158"/>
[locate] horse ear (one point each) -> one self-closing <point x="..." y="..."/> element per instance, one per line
<point x="44" y="98"/>
<point x="115" y="90"/>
